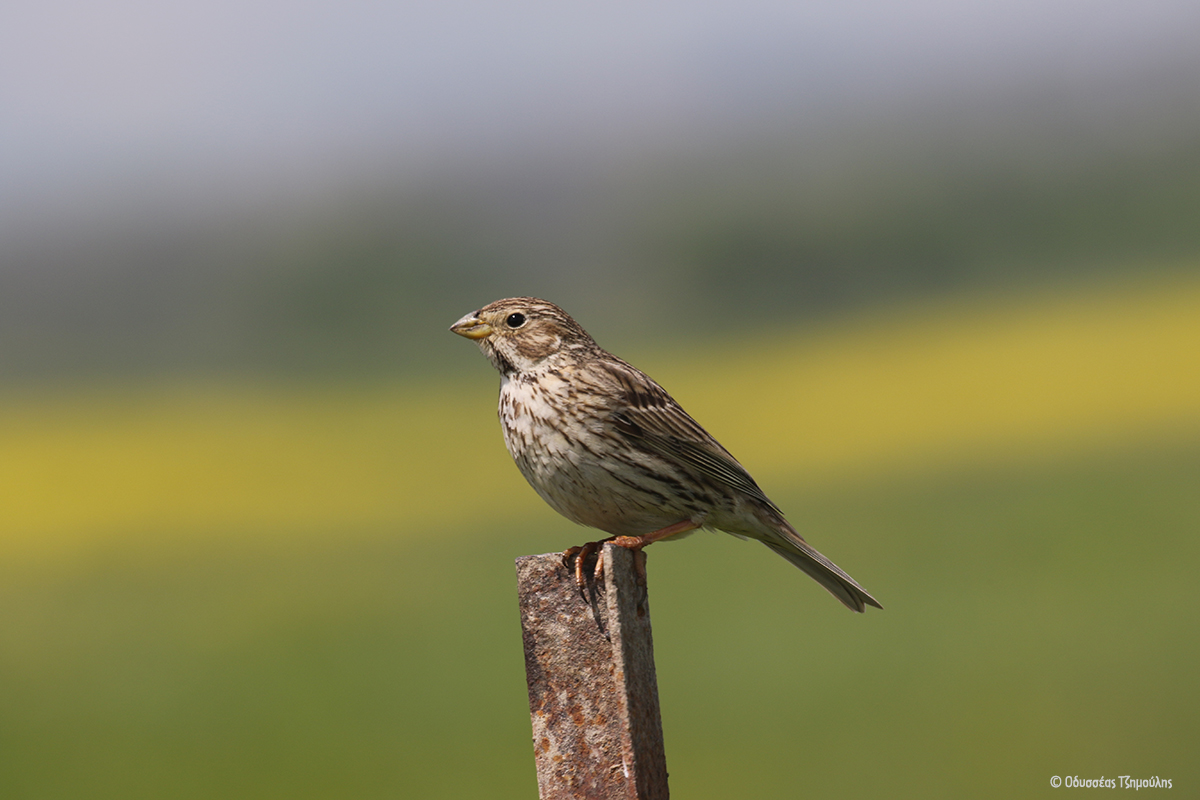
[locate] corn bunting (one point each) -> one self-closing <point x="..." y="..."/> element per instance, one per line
<point x="607" y="447"/>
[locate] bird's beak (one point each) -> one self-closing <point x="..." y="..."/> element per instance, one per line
<point x="472" y="327"/>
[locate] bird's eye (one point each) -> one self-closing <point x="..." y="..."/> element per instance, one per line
<point x="515" y="320"/>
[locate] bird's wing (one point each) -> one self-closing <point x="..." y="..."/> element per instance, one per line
<point x="650" y="418"/>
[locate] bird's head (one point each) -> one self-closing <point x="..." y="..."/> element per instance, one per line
<point x="521" y="333"/>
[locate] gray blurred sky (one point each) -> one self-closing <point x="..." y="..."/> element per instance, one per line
<point x="134" y="101"/>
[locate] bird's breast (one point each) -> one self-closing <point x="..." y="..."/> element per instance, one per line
<point x="563" y="443"/>
<point x="545" y="426"/>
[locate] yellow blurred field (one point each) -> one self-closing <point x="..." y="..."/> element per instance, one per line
<point x="906" y="388"/>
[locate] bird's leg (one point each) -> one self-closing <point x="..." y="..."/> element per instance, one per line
<point x="636" y="543"/>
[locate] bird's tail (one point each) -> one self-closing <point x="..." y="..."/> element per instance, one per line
<point x="822" y="570"/>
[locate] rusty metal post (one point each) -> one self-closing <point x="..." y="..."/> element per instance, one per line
<point x="593" y="694"/>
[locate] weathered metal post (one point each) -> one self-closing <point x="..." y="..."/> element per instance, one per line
<point x="593" y="694"/>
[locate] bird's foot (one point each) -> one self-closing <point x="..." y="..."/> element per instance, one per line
<point x="575" y="558"/>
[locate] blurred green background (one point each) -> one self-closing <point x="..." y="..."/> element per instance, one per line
<point x="931" y="273"/>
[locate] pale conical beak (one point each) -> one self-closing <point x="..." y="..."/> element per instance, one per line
<point x="472" y="327"/>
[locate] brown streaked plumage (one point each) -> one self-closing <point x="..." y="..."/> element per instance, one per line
<point x="607" y="447"/>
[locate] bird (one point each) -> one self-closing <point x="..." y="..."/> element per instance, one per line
<point x="608" y="448"/>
